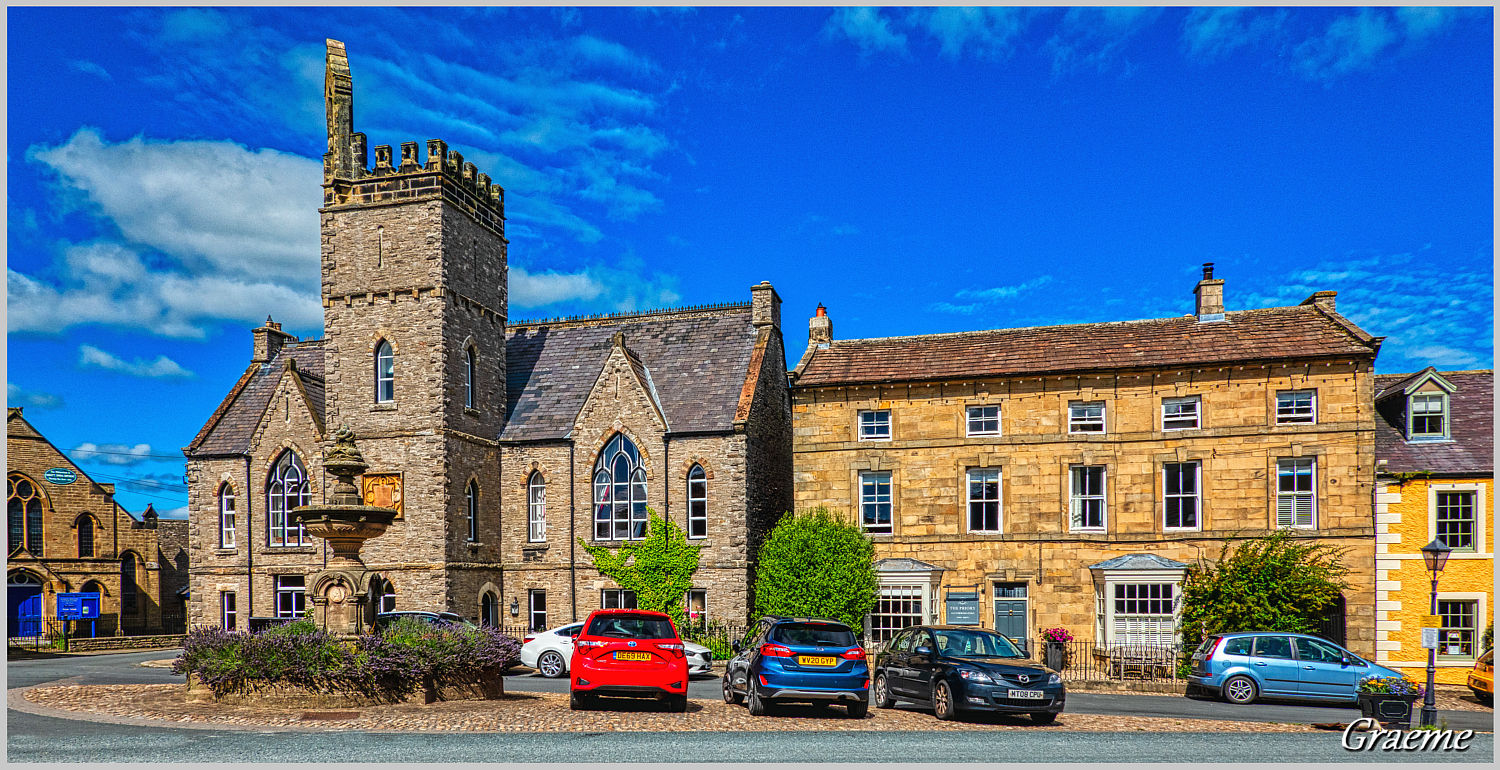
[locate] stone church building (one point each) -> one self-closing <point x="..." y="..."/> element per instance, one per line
<point x="501" y="443"/>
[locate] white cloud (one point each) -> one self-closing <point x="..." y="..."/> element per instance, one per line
<point x="867" y="28"/>
<point x="980" y="299"/>
<point x="986" y="33"/>
<point x="113" y="454"/>
<point x="162" y="367"/>
<point x="90" y="68"/>
<point x="1210" y="34"/>
<point x="18" y="396"/>
<point x="1095" y="38"/>
<point x="1351" y="42"/>
<point x="623" y="287"/>
<point x="534" y="290"/>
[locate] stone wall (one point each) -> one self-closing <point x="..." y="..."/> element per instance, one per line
<point x="929" y="454"/>
<point x="103" y="644"/>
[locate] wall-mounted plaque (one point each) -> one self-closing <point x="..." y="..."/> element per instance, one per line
<point x="60" y="476"/>
<point x="382" y="489"/>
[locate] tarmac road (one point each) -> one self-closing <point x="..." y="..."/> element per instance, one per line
<point x="44" y="739"/>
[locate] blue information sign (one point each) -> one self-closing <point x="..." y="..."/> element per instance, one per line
<point x="79" y="606"/>
<point x="60" y="476"/>
<point x="963" y="608"/>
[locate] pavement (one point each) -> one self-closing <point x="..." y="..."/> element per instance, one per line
<point x="44" y="738"/>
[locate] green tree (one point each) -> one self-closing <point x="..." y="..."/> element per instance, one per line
<point x="1272" y="583"/>
<point x="658" y="568"/>
<point x="815" y="564"/>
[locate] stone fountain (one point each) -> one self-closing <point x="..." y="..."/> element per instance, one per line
<point x="342" y="604"/>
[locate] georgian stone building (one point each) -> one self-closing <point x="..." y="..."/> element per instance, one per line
<point x="1022" y="479"/>
<point x="501" y="443"/>
<point x="68" y="535"/>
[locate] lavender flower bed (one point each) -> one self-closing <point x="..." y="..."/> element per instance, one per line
<point x="408" y="656"/>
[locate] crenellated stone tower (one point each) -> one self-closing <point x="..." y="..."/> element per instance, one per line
<point x="414" y="258"/>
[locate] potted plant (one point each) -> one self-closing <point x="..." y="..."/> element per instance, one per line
<point x="1055" y="651"/>
<point x="1388" y="698"/>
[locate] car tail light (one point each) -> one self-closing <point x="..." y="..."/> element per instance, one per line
<point x="858" y="653"/>
<point x="527" y="638"/>
<point x="673" y="647"/>
<point x="775" y="651"/>
<point x="763" y="682"/>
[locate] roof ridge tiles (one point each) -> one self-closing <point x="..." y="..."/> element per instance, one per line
<point x="594" y="318"/>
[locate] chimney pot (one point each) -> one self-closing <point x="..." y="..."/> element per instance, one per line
<point x="1208" y="270"/>
<point x="1210" y="296"/>
<point x="820" y="328"/>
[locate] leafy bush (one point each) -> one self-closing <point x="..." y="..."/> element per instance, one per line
<point x="659" y="568"/>
<point x="816" y="564"/>
<point x="1272" y="583"/>
<point x="300" y="654"/>
<point x="1391" y="685"/>
<point x="1487" y="640"/>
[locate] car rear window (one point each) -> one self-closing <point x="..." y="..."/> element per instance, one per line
<point x="1208" y="644"/>
<point x="813" y="634"/>
<point x="631" y="627"/>
<point x="1240" y="645"/>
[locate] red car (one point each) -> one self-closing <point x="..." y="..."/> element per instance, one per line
<point x="629" y="653"/>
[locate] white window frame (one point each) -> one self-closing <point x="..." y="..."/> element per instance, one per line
<point x="1113" y="626"/>
<point x="228" y="614"/>
<point x="1196" y="497"/>
<point x="998" y="500"/>
<point x="1078" y="421"/>
<point x="687" y="605"/>
<point x="226" y="517"/>
<point x="697" y="502"/>
<point x="876" y="501"/>
<point x="1197" y="404"/>
<point x="1075" y="500"/>
<point x="1288" y="416"/>
<point x="1311" y="494"/>
<point x="298" y="596"/>
<point x="385" y="372"/>
<point x="471" y="509"/>
<point x="867" y="428"/>
<point x="1411" y="416"/>
<point x="536" y="508"/>
<point x="536" y="609"/>
<point x="899" y="604"/>
<point x="970" y="419"/>
<point x="615" y="599"/>
<point x="1481" y="511"/>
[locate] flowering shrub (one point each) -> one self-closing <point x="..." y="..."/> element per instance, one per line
<point x="1391" y="685"/>
<point x="395" y="662"/>
<point x="1056" y="635"/>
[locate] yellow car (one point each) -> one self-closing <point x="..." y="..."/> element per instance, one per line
<point x="1482" y="678"/>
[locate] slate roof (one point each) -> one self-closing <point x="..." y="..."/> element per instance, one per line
<point x="906" y="565"/>
<point x="233" y="424"/>
<point x="1268" y="334"/>
<point x="1138" y="561"/>
<point x="1471" y="414"/>
<point x="696" y="360"/>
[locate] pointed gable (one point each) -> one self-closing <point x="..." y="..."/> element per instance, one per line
<point x="232" y="426"/>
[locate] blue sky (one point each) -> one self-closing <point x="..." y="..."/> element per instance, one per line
<point x="915" y="170"/>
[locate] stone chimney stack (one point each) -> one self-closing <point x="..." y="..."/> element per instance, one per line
<point x="268" y="341"/>
<point x="1210" y="294"/>
<point x="820" y="328"/>
<point x="765" y="306"/>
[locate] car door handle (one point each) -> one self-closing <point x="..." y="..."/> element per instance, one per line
<point x="1260" y="663"/>
<point x="1308" y="668"/>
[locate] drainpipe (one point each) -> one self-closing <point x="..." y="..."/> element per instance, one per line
<point x="572" y="535"/>
<point x="249" y="547"/>
<point x="666" y="479"/>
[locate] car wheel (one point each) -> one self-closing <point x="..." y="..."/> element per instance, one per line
<point x="757" y="704"/>
<point x="858" y="709"/>
<point x="551" y="665"/>
<point x="730" y="696"/>
<point x="1044" y="717"/>
<point x="942" y="702"/>
<point x="1486" y="698"/>
<point x="578" y="701"/>
<point x="882" y="693"/>
<point x="677" y="704"/>
<point x="1240" y="690"/>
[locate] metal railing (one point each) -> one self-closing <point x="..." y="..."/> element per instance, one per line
<point x="40" y="633"/>
<point x="1085" y="661"/>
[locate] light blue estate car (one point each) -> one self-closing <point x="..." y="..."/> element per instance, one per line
<point x="1242" y="667"/>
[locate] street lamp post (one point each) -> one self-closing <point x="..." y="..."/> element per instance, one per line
<point x="1435" y="554"/>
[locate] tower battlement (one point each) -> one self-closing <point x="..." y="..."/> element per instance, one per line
<point x="349" y="181"/>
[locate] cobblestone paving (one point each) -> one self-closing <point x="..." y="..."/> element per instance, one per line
<point x="548" y="712"/>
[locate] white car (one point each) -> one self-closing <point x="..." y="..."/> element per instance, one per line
<point x="550" y="651"/>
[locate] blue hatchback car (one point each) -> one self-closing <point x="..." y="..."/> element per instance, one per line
<point x="1243" y="667"/>
<point x="798" y="660"/>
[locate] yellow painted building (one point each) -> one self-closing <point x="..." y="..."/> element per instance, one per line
<point x="1435" y="481"/>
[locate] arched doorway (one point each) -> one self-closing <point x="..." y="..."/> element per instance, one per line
<point x="24" y="591"/>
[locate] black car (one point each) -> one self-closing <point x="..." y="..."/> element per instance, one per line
<point x="956" y="669"/>
<point x="384" y="619"/>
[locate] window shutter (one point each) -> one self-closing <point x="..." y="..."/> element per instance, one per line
<point x="1284" y="506"/>
<point x="1304" y="514"/>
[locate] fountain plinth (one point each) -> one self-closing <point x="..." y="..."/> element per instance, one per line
<point x="342" y="604"/>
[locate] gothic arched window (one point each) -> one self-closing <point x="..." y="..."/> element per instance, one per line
<point x="286" y="489"/>
<point x="469" y="377"/>
<point x="226" y="517"/>
<point x="24" y="504"/>
<point x="619" y="492"/>
<point x="385" y="373"/>
<point x="471" y="507"/>
<point x="697" y="489"/>
<point x="536" y="508"/>
<point x="85" y="536"/>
